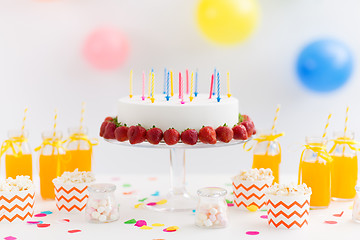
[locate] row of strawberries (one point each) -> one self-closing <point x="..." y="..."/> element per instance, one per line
<point x="111" y="129"/>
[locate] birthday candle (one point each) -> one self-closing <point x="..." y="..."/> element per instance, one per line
<point x="143" y="87"/>
<point x="165" y="73"/>
<point x="152" y="86"/>
<point x="228" y="85"/>
<point x="211" y="85"/>
<point x="168" y="86"/>
<point x="218" y="87"/>
<point x="182" y="91"/>
<point x="131" y="84"/>
<point x="149" y="84"/>
<point x="196" y="83"/>
<point x="179" y="85"/>
<point x="192" y="87"/>
<point x="213" y="93"/>
<point x="187" y="81"/>
<point x="172" y="83"/>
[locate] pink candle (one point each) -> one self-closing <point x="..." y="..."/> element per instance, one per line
<point x="180" y="85"/>
<point x="182" y="92"/>
<point x="211" y="85"/>
<point x="143" y="87"/>
<point x="187" y="81"/>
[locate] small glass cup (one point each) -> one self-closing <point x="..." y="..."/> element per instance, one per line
<point x="102" y="206"/>
<point x="356" y="207"/>
<point x="211" y="211"/>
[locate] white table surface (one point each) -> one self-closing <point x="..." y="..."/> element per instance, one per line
<point x="144" y="186"/>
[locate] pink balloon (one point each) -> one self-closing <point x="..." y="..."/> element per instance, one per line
<point x="105" y="48"/>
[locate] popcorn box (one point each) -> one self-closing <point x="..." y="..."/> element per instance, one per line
<point x="247" y="193"/>
<point x="71" y="197"/>
<point x="16" y="206"/>
<point x="288" y="212"/>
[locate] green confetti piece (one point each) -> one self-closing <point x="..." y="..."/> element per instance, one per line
<point x="228" y="184"/>
<point x="263" y="210"/>
<point x="228" y="201"/>
<point x="131" y="221"/>
<point x="126" y="185"/>
<point x="142" y="200"/>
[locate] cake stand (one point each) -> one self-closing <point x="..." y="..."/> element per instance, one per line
<point x="178" y="198"/>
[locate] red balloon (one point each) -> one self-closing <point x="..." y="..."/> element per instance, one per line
<point x="105" y="48"/>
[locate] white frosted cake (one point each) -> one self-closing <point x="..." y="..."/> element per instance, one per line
<point x="202" y="111"/>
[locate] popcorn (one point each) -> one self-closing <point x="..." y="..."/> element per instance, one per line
<point x="254" y="175"/>
<point x="76" y="177"/>
<point x="20" y="183"/>
<point x="289" y="189"/>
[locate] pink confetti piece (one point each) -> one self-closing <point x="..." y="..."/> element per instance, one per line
<point x="140" y="223"/>
<point x="151" y="203"/>
<point x="230" y="204"/>
<point x="74" y="231"/>
<point x="40" y="215"/>
<point x="43" y="225"/>
<point x="152" y="178"/>
<point x="338" y="214"/>
<point x="166" y="230"/>
<point x="331" y="222"/>
<point x="34" y="222"/>
<point x="10" y="238"/>
<point x="252" y="233"/>
<point x="65" y="220"/>
<point x="264" y="216"/>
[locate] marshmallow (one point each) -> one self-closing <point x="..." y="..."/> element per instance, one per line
<point x="254" y="175"/>
<point x="211" y="215"/>
<point x="76" y="177"/>
<point x="20" y="183"/>
<point x="289" y="189"/>
<point x="102" y="210"/>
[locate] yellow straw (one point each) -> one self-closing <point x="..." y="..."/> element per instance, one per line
<point x="149" y="84"/>
<point x="152" y="87"/>
<point x="276" y="118"/>
<point x="55" y="119"/>
<point x="131" y="84"/>
<point x="228" y="85"/>
<point x="82" y="116"/>
<point x="191" y="86"/>
<point x="326" y="127"/>
<point x="23" y="122"/>
<point x="346" y="120"/>
<point x="172" y="83"/>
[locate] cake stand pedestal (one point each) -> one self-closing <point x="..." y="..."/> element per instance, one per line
<point x="178" y="198"/>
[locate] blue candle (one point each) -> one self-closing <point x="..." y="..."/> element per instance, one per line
<point x="168" y="86"/>
<point x="196" y="84"/>
<point x="218" y="87"/>
<point x="214" y="87"/>
<point x="165" y="72"/>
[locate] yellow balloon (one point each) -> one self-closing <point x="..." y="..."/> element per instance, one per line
<point x="227" y="21"/>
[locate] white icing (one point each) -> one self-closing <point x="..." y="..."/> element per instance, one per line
<point x="202" y="111"/>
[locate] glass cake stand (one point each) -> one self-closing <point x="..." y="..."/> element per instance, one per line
<point x="178" y="198"/>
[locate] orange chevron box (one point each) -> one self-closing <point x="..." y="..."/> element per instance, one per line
<point x="247" y="193"/>
<point x="71" y="198"/>
<point x="16" y="206"/>
<point x="288" y="212"/>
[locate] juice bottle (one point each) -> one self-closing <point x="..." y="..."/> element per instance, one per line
<point x="18" y="159"/>
<point x="267" y="153"/>
<point x="52" y="153"/>
<point x="78" y="151"/>
<point x="314" y="170"/>
<point x="344" y="167"/>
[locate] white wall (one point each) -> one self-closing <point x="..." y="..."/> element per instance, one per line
<point x="41" y="67"/>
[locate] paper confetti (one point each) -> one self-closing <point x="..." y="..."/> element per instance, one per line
<point x="129" y="193"/>
<point x="152" y="178"/>
<point x="228" y="184"/>
<point x="43" y="225"/>
<point x="155" y="194"/>
<point x="64" y="220"/>
<point x="263" y="210"/>
<point x="138" y="205"/>
<point x="74" y="231"/>
<point x="126" y="185"/>
<point x="230" y="204"/>
<point x="338" y="214"/>
<point x="166" y="230"/>
<point x="228" y="201"/>
<point x="151" y="204"/>
<point x="163" y="201"/>
<point x="331" y="222"/>
<point x="40" y="215"/>
<point x="157" y="224"/>
<point x="10" y="238"/>
<point x="264" y="216"/>
<point x="131" y="221"/>
<point x="173" y="228"/>
<point x="252" y="208"/>
<point x="34" y="222"/>
<point x="47" y="212"/>
<point x="140" y="223"/>
<point x="252" y="233"/>
<point x="146" y="227"/>
<point x="143" y="199"/>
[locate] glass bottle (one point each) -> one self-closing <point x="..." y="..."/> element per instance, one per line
<point x="102" y="206"/>
<point x="78" y="151"/>
<point x="344" y="167"/>
<point x="18" y="158"/>
<point x="52" y="153"/>
<point x="315" y="171"/>
<point x="356" y="207"/>
<point x="267" y="154"/>
<point x="211" y="211"/>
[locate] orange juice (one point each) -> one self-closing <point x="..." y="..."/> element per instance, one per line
<point x="317" y="176"/>
<point x="77" y="159"/>
<point x="18" y="165"/>
<point x="344" y="177"/>
<point x="268" y="161"/>
<point x="49" y="168"/>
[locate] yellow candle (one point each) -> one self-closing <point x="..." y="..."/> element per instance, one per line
<point x="172" y="83"/>
<point x="131" y="84"/>
<point x="191" y="87"/>
<point x="228" y="85"/>
<point x="152" y="87"/>
<point x="149" y="84"/>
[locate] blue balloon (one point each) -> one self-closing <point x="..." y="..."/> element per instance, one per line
<point x="324" y="65"/>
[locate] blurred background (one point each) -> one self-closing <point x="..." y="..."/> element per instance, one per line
<point x="45" y="64"/>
